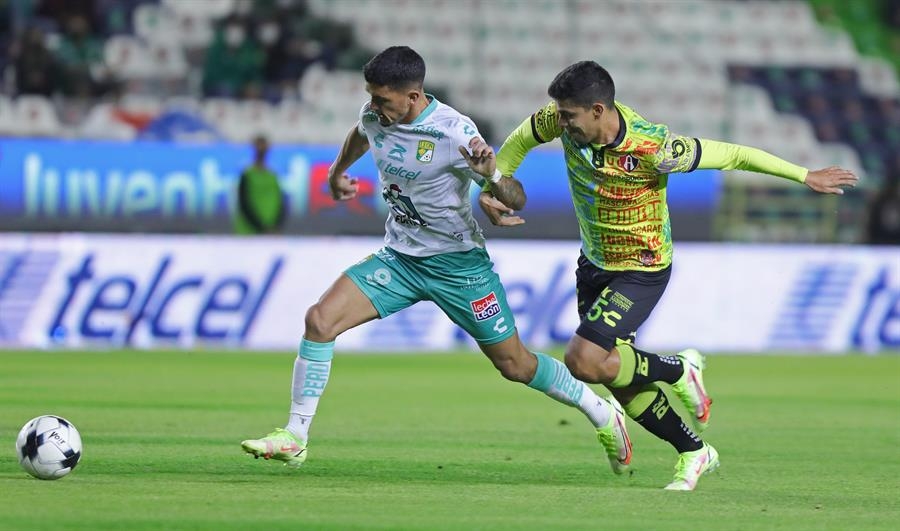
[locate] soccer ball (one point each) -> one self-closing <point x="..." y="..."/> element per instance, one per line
<point x="48" y="447"/>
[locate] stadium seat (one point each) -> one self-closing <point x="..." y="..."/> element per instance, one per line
<point x="169" y="60"/>
<point x="878" y="77"/>
<point x="141" y="103"/>
<point x="8" y="125"/>
<point x="156" y="23"/>
<point x="208" y="9"/>
<point x="101" y="124"/>
<point x="291" y="123"/>
<point x="127" y="57"/>
<point x="194" y="31"/>
<point x="255" y="118"/>
<point x="37" y="117"/>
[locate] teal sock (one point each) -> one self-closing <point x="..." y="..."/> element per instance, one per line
<point x="314" y="351"/>
<point x="554" y="379"/>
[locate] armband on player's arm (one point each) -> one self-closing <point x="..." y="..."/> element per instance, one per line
<point x="725" y="156"/>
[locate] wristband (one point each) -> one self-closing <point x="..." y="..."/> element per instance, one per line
<point x="495" y="178"/>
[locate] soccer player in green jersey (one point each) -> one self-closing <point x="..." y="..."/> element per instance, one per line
<point x="427" y="155"/>
<point x="618" y="164"/>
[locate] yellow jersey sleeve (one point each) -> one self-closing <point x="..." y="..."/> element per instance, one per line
<point x="725" y="156"/>
<point x="539" y="128"/>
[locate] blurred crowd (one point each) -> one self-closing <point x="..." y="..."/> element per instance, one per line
<point x="254" y="51"/>
<point x="259" y="50"/>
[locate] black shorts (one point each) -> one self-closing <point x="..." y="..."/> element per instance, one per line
<point x="612" y="305"/>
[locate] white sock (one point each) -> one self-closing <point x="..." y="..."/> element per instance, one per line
<point x="310" y="378"/>
<point x="597" y="410"/>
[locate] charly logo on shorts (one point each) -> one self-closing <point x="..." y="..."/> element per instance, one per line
<point x="485" y="307"/>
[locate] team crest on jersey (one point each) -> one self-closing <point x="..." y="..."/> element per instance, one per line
<point x="425" y="151"/>
<point x="628" y="162"/>
<point x="485" y="307"/>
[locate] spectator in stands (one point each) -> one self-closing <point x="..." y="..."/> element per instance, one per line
<point x="884" y="211"/>
<point x="37" y="71"/>
<point x="287" y="56"/>
<point x="115" y="16"/>
<point x="233" y="61"/>
<point x="271" y="38"/>
<point x="260" y="200"/>
<point x="279" y="9"/>
<point x="7" y="28"/>
<point x="81" y="55"/>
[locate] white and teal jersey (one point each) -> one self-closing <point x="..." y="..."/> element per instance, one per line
<point x="425" y="181"/>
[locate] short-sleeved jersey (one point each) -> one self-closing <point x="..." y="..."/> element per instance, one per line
<point x="619" y="190"/>
<point x="425" y="181"/>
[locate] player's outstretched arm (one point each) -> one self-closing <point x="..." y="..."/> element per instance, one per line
<point x="342" y="186"/>
<point x="725" y="156"/>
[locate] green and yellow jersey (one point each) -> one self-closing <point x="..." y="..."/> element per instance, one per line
<point x="619" y="189"/>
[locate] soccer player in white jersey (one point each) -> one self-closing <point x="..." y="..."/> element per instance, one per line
<point x="427" y="155"/>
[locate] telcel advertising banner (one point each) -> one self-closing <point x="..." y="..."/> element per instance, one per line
<point x="59" y="185"/>
<point x="101" y="291"/>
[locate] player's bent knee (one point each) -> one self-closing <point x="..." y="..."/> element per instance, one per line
<point x="587" y="367"/>
<point x="579" y="368"/>
<point x="318" y="326"/>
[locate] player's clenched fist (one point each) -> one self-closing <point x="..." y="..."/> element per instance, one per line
<point x="343" y="187"/>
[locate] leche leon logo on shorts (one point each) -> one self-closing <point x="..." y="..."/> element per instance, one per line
<point x="485" y="307"/>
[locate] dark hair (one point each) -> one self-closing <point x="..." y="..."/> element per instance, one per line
<point x="397" y="67"/>
<point x="583" y="83"/>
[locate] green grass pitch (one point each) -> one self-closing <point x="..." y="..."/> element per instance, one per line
<point x="437" y="442"/>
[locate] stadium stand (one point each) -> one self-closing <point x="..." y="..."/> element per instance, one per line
<point x="764" y="73"/>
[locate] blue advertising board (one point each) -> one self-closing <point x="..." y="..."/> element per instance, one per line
<point x="175" y="187"/>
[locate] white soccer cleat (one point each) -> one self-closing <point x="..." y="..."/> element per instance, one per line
<point x="280" y="445"/>
<point x="690" y="390"/>
<point x="614" y="438"/>
<point x="692" y="465"/>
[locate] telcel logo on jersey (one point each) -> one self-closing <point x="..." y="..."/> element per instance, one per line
<point x="386" y="167"/>
<point x="111" y="307"/>
<point x="485" y="307"/>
